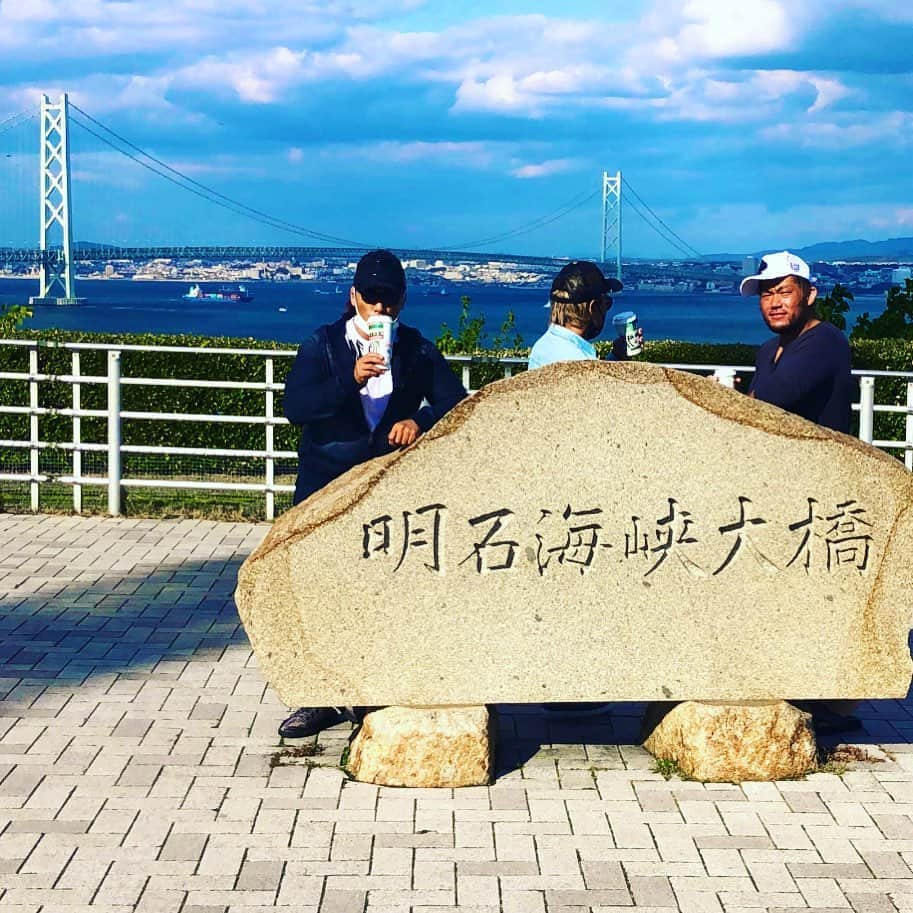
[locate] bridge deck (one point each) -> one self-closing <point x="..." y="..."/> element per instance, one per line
<point x="82" y="254"/>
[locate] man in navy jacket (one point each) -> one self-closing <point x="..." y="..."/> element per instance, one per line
<point x="352" y="406"/>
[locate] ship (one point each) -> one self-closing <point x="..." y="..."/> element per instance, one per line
<point x="223" y="293"/>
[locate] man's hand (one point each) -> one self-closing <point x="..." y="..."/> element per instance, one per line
<point x="368" y="366"/>
<point x="404" y="433"/>
<point x="620" y="345"/>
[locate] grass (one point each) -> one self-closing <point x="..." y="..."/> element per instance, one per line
<point x="286" y="755"/>
<point x="667" y="768"/>
<point x="839" y="760"/>
<point x="155" y="503"/>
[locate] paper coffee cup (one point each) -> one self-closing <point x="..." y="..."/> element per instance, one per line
<point x="625" y="324"/>
<point x="725" y="376"/>
<point x="380" y="336"/>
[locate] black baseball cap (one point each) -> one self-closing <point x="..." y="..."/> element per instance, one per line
<point x="380" y="269"/>
<point x="581" y="281"/>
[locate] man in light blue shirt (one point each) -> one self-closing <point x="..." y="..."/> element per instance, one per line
<point x="580" y="299"/>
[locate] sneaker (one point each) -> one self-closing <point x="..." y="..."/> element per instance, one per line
<point x="307" y="721"/>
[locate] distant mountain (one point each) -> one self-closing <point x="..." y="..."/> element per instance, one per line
<point x="891" y="249"/>
<point x="723" y="258"/>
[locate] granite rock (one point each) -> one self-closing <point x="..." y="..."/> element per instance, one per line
<point x="424" y="746"/>
<point x="723" y="742"/>
<point x="594" y="531"/>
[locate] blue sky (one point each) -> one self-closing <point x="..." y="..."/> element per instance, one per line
<point x="745" y="126"/>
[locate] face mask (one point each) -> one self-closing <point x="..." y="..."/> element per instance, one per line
<point x="360" y="323"/>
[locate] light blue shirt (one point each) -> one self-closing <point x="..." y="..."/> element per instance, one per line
<point x="560" y="344"/>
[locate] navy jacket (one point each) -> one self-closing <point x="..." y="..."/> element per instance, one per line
<point x="812" y="378"/>
<point x="322" y="396"/>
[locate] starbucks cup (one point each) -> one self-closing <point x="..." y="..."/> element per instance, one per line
<point x="380" y="336"/>
<point x="625" y="324"/>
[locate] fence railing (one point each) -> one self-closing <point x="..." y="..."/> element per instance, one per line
<point x="116" y="481"/>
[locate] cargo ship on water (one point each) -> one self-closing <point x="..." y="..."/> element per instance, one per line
<point x="223" y="293"/>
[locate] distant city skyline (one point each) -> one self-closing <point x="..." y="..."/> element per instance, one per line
<point x="411" y="124"/>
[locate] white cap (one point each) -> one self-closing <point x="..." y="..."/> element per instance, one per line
<point x="775" y="266"/>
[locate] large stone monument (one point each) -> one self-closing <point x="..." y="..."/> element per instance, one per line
<point x="594" y="531"/>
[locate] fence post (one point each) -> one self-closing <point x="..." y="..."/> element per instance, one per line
<point x="33" y="428"/>
<point x="77" y="436"/>
<point x="866" y="408"/>
<point x="270" y="442"/>
<point x="908" y="453"/>
<point x="114" y="433"/>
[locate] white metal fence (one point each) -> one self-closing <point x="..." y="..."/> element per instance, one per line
<point x="113" y="448"/>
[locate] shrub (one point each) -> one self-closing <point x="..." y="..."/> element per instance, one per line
<point x="877" y="354"/>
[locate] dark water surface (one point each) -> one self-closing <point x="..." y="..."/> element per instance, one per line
<point x="289" y="311"/>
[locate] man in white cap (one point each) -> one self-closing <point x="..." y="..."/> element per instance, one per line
<point x="805" y="369"/>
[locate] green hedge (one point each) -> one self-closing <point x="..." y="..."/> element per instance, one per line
<point x="886" y="355"/>
<point x="874" y="354"/>
<point x="150" y="399"/>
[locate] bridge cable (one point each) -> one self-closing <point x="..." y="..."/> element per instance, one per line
<point x="694" y="252"/>
<point x="666" y="237"/>
<point x="669" y="239"/>
<point x="204" y="191"/>
<point x="16" y="120"/>
<point x="553" y="216"/>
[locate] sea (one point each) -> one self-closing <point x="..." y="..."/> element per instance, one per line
<point x="290" y="311"/>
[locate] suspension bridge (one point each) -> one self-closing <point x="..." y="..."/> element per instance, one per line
<point x="56" y="254"/>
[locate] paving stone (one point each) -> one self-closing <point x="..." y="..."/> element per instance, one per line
<point x="870" y="903"/>
<point x="183" y="847"/>
<point x="259" y="876"/>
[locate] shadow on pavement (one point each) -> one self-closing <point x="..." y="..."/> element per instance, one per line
<point x="147" y="624"/>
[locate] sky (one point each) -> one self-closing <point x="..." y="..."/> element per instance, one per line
<point x="744" y="127"/>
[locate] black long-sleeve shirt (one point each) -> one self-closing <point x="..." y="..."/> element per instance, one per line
<point x="322" y="396"/>
<point x="812" y="377"/>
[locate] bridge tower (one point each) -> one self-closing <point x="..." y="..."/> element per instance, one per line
<point x="55" y="234"/>
<point x="611" y="220"/>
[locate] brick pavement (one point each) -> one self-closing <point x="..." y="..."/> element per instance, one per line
<point x="136" y="737"/>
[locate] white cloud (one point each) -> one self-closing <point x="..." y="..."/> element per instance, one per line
<point x="829" y="91"/>
<point x="497" y="93"/>
<point x="460" y="154"/>
<point x="685" y="79"/>
<point x="95" y="27"/>
<point x="667" y="63"/>
<point x="893" y="129"/>
<point x="721" y="28"/>
<point x="545" y="169"/>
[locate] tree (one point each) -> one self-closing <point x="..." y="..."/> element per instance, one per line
<point x="469" y="335"/>
<point x="508" y="337"/>
<point x="11" y="316"/>
<point x="834" y="305"/>
<point x="896" y="322"/>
